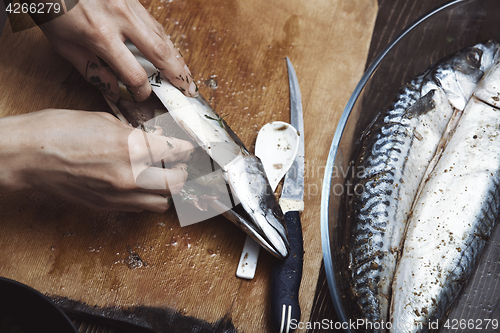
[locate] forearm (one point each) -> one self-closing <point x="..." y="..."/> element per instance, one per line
<point x="14" y="150"/>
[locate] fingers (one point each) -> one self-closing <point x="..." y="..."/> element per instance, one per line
<point x="128" y="69"/>
<point x="156" y="185"/>
<point x="169" y="149"/>
<point x="99" y="29"/>
<point x="149" y="149"/>
<point x="153" y="202"/>
<point x="163" y="181"/>
<point x="149" y="37"/>
<point x="159" y="49"/>
<point x="162" y="53"/>
<point x="137" y="202"/>
<point x="92" y="69"/>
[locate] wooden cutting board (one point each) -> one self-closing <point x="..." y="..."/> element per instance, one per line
<point x="118" y="265"/>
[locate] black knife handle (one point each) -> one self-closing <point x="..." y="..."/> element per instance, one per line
<point x="285" y="280"/>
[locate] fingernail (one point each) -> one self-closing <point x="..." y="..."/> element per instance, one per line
<point x="124" y="92"/>
<point x="187" y="69"/>
<point x="193" y="89"/>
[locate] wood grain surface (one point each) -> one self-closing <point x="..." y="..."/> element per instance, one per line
<point x="123" y="261"/>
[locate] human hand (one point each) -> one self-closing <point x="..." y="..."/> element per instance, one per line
<point x="88" y="158"/>
<point x="92" y="34"/>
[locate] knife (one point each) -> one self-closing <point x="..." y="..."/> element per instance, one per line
<point x="286" y="274"/>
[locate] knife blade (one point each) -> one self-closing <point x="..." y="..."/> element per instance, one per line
<point x="287" y="274"/>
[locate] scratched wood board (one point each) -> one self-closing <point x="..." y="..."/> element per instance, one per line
<point x="66" y="250"/>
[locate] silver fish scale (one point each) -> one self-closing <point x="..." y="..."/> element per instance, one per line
<point x="472" y="247"/>
<point x="476" y="244"/>
<point x="383" y="167"/>
<point x="409" y="94"/>
<point x="454" y="214"/>
<point x="393" y="151"/>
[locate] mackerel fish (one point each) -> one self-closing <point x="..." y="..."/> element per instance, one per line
<point x="262" y="217"/>
<point x="454" y="215"/>
<point x="397" y="152"/>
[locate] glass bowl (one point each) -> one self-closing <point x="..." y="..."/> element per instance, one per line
<point x="451" y="27"/>
<point x="24" y="309"/>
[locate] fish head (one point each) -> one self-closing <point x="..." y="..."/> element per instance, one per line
<point x="459" y="74"/>
<point x="248" y="181"/>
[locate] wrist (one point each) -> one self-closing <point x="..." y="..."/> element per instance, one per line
<point x="14" y="152"/>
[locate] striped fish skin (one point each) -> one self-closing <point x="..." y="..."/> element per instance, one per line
<point x="447" y="232"/>
<point x="394" y="156"/>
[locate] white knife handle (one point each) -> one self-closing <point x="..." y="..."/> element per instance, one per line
<point x="291" y="205"/>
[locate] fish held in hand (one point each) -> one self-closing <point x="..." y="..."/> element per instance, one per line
<point x="231" y="162"/>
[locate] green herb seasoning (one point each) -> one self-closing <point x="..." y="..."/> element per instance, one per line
<point x="219" y="120"/>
